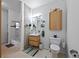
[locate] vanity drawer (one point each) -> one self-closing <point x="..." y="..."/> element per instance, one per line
<point x="36" y="43"/>
<point x="33" y="43"/>
<point x="32" y="38"/>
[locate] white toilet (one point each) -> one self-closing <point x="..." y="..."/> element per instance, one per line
<point x="54" y="46"/>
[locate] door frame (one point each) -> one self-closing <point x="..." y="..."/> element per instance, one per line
<point x="0" y="28"/>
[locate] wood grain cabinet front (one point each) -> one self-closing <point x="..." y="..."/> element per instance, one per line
<point x="34" y="40"/>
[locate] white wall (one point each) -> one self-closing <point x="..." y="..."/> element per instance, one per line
<point x="73" y="25"/>
<point x="27" y="20"/>
<point x="12" y="4"/>
<point x="45" y="9"/>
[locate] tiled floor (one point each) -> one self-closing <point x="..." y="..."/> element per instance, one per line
<point x="14" y="52"/>
<point x="21" y="54"/>
<point x="8" y="51"/>
<point x="43" y="54"/>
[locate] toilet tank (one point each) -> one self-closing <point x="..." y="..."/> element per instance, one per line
<point x="55" y="40"/>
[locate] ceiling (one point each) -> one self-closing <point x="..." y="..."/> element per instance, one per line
<point x="36" y="3"/>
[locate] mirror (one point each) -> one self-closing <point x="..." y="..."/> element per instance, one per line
<point x="38" y="23"/>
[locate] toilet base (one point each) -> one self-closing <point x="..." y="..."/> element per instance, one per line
<point x="54" y="54"/>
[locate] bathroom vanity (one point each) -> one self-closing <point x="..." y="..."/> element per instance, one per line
<point x="34" y="40"/>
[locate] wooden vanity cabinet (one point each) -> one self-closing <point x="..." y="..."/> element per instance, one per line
<point x="55" y="20"/>
<point x="34" y="40"/>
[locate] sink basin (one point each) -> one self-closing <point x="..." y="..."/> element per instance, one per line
<point x="34" y="34"/>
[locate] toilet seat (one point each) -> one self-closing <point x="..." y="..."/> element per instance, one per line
<point x="54" y="47"/>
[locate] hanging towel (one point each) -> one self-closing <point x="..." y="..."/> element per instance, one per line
<point x="43" y="33"/>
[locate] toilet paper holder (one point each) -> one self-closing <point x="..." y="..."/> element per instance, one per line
<point x="74" y="53"/>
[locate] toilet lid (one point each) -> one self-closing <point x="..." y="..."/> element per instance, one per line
<point x="55" y="47"/>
